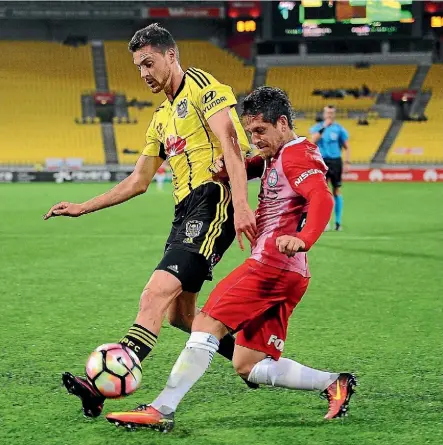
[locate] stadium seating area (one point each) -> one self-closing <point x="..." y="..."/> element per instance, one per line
<point x="423" y="141"/>
<point x="41" y="84"/>
<point x="40" y="87"/>
<point x="363" y="139"/>
<point x="301" y="81"/>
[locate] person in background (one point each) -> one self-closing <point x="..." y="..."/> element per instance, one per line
<point x="160" y="176"/>
<point x="332" y="138"/>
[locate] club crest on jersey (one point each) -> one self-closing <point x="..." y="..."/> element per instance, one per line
<point x="193" y="229"/>
<point x="182" y="108"/>
<point x="175" y="145"/>
<point x="273" y="178"/>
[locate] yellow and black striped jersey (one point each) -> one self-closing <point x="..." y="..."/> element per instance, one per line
<point x="179" y="131"/>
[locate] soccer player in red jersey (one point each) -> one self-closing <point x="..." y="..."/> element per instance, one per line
<point x="257" y="299"/>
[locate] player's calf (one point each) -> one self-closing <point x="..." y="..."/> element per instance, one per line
<point x="161" y="290"/>
<point x="245" y="359"/>
<point x="182" y="311"/>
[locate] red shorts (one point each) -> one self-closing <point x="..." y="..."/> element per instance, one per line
<point x="257" y="300"/>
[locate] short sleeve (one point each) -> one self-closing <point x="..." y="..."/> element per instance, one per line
<point x="153" y="147"/>
<point x="315" y="128"/>
<point x="344" y="135"/>
<point x="304" y="169"/>
<point x="210" y="95"/>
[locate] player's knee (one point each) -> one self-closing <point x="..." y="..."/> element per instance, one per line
<point x="205" y="323"/>
<point x="154" y="300"/>
<point x="242" y="367"/>
<point x="159" y="293"/>
<point x="336" y="191"/>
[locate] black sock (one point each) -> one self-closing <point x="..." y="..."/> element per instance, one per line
<point x="226" y="347"/>
<point x="139" y="340"/>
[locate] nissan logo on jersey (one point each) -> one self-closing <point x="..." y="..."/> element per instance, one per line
<point x="209" y="96"/>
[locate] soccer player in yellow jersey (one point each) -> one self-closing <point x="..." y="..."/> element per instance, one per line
<point x="195" y="124"/>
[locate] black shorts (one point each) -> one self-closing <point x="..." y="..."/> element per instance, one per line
<point x="202" y="230"/>
<point x="335" y="170"/>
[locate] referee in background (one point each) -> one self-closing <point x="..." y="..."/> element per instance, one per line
<point x="331" y="139"/>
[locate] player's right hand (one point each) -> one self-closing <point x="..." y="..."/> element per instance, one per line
<point x="64" y="209"/>
<point x="244" y="223"/>
<point x="327" y="122"/>
<point x="218" y="169"/>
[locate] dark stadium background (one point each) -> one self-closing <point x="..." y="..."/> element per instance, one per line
<point x="73" y="116"/>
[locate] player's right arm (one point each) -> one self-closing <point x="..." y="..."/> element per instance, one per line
<point x="135" y="184"/>
<point x="318" y="129"/>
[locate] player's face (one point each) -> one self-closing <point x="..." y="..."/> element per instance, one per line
<point x="155" y="67"/>
<point x="329" y="114"/>
<point x="268" y="138"/>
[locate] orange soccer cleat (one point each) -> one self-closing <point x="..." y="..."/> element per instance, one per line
<point x="144" y="416"/>
<point x="339" y="394"/>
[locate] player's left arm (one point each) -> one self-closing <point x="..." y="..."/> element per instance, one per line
<point x="223" y="128"/>
<point x="307" y="178"/>
<point x="215" y="101"/>
<point x="344" y="142"/>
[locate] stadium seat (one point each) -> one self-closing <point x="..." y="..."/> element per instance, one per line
<point x="223" y="65"/>
<point x="40" y="86"/>
<point x="300" y="81"/>
<point x="124" y="77"/>
<point x="363" y="139"/>
<point x="418" y="142"/>
<point x="421" y="142"/>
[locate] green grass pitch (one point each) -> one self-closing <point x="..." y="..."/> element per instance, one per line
<point x="374" y="307"/>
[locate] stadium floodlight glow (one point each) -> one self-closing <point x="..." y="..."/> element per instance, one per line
<point x="246" y="26"/>
<point x="436" y="21"/>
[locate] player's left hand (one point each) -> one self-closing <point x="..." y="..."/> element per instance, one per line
<point x="346" y="166"/>
<point x="289" y="245"/>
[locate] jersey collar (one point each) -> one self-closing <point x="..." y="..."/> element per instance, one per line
<point x="180" y="88"/>
<point x="294" y="141"/>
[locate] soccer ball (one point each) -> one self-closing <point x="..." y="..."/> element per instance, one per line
<point x="114" y="370"/>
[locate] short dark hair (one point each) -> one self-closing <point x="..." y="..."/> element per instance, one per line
<point x="270" y="102"/>
<point x="154" y="35"/>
